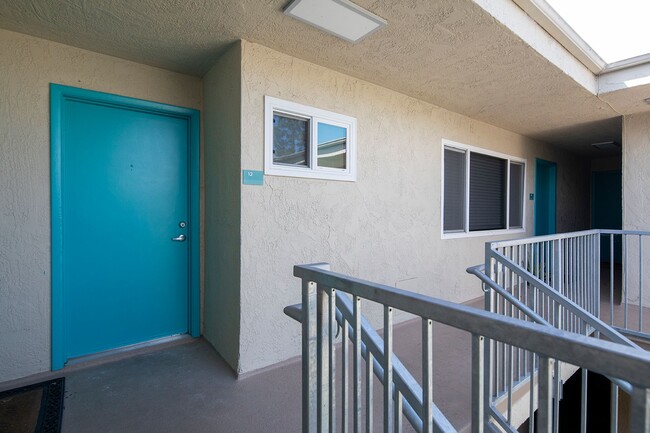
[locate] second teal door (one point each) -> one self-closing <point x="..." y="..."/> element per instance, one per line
<point x="125" y="226"/>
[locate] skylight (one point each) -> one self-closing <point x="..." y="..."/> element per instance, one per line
<point x="615" y="29"/>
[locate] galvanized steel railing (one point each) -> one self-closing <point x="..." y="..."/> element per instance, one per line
<point x="321" y="292"/>
<point x="577" y="265"/>
<point x="556" y="281"/>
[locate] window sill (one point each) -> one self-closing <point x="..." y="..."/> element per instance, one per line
<point x="482" y="233"/>
<point x="308" y="173"/>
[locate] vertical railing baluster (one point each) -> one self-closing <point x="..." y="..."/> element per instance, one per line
<point x="611" y="279"/>
<point x="332" y="360"/>
<point x="370" y="396"/>
<point x="625" y="285"/>
<point x="509" y="383"/>
<point x="388" y="369"/>
<point x="356" y="359"/>
<point x="640" y="410"/>
<point x="398" y="412"/>
<point x="613" y="409"/>
<point x="640" y="283"/>
<point x="531" y="394"/>
<point x="557" y="388"/>
<point x="345" y="390"/>
<point x="427" y="375"/>
<point x="545" y="399"/>
<point x="583" y="401"/>
<point x="323" y="358"/>
<point x="480" y="397"/>
<point x="309" y="358"/>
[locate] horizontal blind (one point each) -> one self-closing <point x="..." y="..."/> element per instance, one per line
<point x="454" y="193"/>
<point x="487" y="192"/>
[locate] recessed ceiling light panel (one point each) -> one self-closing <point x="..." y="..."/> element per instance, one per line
<point x="341" y="18"/>
<point x="607" y="145"/>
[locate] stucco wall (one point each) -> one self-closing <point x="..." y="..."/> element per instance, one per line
<point x="386" y="226"/>
<point x="27" y="66"/>
<point x="222" y="117"/>
<point x="636" y="198"/>
<point x="636" y="172"/>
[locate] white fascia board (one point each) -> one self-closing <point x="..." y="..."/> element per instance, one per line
<point x="628" y="77"/>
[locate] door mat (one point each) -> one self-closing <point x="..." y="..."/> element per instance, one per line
<point x="33" y="409"/>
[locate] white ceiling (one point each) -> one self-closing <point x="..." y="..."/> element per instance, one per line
<point x="451" y="53"/>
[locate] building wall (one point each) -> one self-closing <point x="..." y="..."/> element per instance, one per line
<point x="636" y="199"/>
<point x="636" y="172"/>
<point x="27" y="66"/>
<point x="385" y="226"/>
<point x="222" y="123"/>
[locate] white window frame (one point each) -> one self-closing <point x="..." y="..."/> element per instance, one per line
<point x="466" y="233"/>
<point x="314" y="115"/>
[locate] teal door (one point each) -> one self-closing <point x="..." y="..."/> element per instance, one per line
<point x="545" y="197"/>
<point x="607" y="209"/>
<point x="125" y="222"/>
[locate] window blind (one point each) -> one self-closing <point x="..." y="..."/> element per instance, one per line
<point x="487" y="192"/>
<point x="454" y="194"/>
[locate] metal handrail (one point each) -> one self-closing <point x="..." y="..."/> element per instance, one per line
<point x="605" y="357"/>
<point x="630" y="364"/>
<point x="559" y="279"/>
<point x="571" y="306"/>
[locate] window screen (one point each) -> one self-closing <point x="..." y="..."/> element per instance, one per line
<point x="290" y="140"/>
<point x="454" y="199"/>
<point x="332" y="145"/>
<point x="487" y="192"/>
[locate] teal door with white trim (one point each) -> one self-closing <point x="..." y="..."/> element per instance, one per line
<point x="125" y="222"/>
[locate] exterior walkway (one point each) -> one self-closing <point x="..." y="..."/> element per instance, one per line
<point x="187" y="387"/>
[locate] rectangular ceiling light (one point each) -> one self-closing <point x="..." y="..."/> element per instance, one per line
<point x="607" y="145"/>
<point x="341" y="18"/>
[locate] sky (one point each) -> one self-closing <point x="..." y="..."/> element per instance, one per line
<point x="615" y="29"/>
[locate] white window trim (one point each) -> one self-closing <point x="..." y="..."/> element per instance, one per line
<point x="316" y="115"/>
<point x="467" y="149"/>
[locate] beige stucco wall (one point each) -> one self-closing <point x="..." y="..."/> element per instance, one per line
<point x="385" y="226"/>
<point x="636" y="172"/>
<point x="222" y="123"/>
<point x="27" y="66"/>
<point x="636" y="198"/>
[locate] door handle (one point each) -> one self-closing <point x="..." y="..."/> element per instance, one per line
<point x="180" y="238"/>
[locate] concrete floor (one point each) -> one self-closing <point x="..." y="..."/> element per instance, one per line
<point x="187" y="387"/>
<point x="183" y="388"/>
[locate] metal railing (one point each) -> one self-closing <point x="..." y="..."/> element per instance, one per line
<point x="556" y="281"/>
<point x="321" y="292"/>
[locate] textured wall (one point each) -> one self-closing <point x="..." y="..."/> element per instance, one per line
<point x="222" y="116"/>
<point x="636" y="172"/>
<point x="27" y="66"/>
<point x="636" y="197"/>
<point x="386" y="226"/>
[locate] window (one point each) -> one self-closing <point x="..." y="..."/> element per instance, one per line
<point x="482" y="191"/>
<point x="304" y="141"/>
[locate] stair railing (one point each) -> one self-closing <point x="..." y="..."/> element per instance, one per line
<point x="321" y="289"/>
<point x="555" y="279"/>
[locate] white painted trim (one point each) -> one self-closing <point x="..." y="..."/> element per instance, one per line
<point x="468" y="149"/>
<point x="315" y="115"/>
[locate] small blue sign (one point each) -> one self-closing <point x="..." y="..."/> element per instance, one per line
<point x="252" y="177"/>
